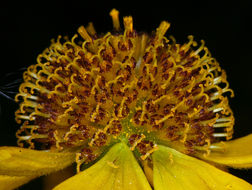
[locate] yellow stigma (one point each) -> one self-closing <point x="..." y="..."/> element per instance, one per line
<point x="129" y="86"/>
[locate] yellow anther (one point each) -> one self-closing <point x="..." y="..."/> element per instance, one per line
<point x="84" y="34"/>
<point x="115" y="18"/>
<point x="161" y="30"/>
<point x="90" y="29"/>
<point x="128" y="24"/>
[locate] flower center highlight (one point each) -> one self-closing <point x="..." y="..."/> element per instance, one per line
<point x="93" y="91"/>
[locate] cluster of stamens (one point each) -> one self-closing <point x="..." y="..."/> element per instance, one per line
<point x="93" y="91"/>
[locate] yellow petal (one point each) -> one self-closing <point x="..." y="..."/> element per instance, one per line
<point x="12" y="182"/>
<point x="15" y="161"/>
<point x="117" y="170"/>
<point x="236" y="153"/>
<point x="176" y="171"/>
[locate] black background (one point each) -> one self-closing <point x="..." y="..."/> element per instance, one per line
<point x="26" y="30"/>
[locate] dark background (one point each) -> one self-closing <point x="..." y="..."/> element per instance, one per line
<point x="26" y="30"/>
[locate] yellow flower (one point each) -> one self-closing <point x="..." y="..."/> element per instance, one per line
<point x="142" y="111"/>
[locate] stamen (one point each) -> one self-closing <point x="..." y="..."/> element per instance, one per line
<point x="161" y="30"/>
<point x="121" y="107"/>
<point x="143" y="111"/>
<point x="113" y="81"/>
<point x="25" y="137"/>
<point x="217" y="110"/>
<point x="33" y="136"/>
<point x="58" y="139"/>
<point x="25" y="96"/>
<point x="78" y="161"/>
<point x="96" y="86"/>
<point x="224" y="119"/>
<point x="132" y="148"/>
<point x="188" y="45"/>
<point x="38" y="113"/>
<point x="128" y="24"/>
<point x="199" y="49"/>
<point x="97" y="138"/>
<point x="90" y="29"/>
<point x="94" y="115"/>
<point x="24" y="117"/>
<point x="155" y="147"/>
<point x="167" y="82"/>
<point x="82" y="31"/>
<point x="31" y="73"/>
<point x="187" y="128"/>
<point x="157" y="122"/>
<point x="115" y="18"/>
<point x="220" y="134"/>
<point x="30" y="104"/>
<point x="216" y="148"/>
<point x="161" y="98"/>
<point x="131" y="85"/>
<point x="220" y="125"/>
<point x="217" y="80"/>
<point x="215" y="96"/>
<point x="32" y="87"/>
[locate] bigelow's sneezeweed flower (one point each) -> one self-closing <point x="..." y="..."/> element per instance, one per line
<point x="142" y="110"/>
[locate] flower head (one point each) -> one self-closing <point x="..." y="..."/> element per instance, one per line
<point x="135" y="97"/>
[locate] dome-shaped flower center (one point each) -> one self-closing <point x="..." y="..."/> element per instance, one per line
<point x="127" y="86"/>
